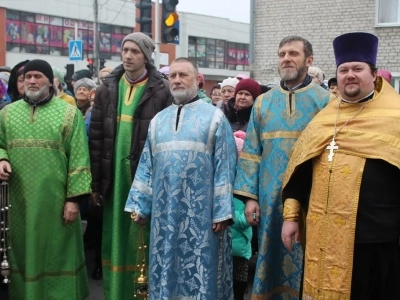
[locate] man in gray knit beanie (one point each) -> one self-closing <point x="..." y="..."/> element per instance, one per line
<point x="129" y="97"/>
<point x="144" y="42"/>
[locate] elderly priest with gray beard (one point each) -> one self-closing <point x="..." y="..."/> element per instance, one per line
<point x="45" y="159"/>
<point x="183" y="186"/>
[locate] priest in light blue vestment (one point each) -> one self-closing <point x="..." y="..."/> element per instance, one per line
<point x="277" y="120"/>
<point x="184" y="186"/>
<point x="273" y="129"/>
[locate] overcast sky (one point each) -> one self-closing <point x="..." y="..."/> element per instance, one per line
<point x="236" y="10"/>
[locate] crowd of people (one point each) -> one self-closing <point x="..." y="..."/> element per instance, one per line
<point x="176" y="182"/>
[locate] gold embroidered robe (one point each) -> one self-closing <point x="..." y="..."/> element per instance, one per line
<point x="331" y="217"/>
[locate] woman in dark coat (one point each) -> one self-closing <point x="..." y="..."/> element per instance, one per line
<point x="238" y="109"/>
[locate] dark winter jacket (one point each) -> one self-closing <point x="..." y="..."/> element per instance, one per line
<point x="238" y="119"/>
<point x="102" y="131"/>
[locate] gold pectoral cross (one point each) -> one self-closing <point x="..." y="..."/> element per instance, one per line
<point x="332" y="146"/>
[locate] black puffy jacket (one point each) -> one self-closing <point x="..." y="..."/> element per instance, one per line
<point x="103" y="124"/>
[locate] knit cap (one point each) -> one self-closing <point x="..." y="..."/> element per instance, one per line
<point x="84" y="73"/>
<point x="317" y="72"/>
<point x="106" y="69"/>
<point x="85" y="82"/>
<point x="59" y="74"/>
<point x="164" y="70"/>
<point x="230" y="81"/>
<point x="249" y="85"/>
<point x="40" y="66"/>
<point x="242" y="76"/>
<point x="332" y="81"/>
<point x="5" y="76"/>
<point x="144" y="42"/>
<point x="387" y="75"/>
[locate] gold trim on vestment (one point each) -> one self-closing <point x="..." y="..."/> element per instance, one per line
<point x="69" y="120"/>
<point x="257" y="107"/>
<point x="49" y="273"/>
<point x="78" y="170"/>
<point x="250" y="157"/>
<point x="303" y="89"/>
<point x="127" y="268"/>
<point x="32" y="143"/>
<point x="280" y="135"/>
<point x="248" y="195"/>
<point x="277" y="290"/>
<point x="125" y="118"/>
<point x="131" y="90"/>
<point x="290" y="105"/>
<point x="291" y="210"/>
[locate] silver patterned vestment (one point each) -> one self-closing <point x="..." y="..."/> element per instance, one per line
<point x="183" y="185"/>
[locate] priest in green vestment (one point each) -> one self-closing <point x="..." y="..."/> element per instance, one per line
<point x="45" y="159"/>
<point x="124" y="105"/>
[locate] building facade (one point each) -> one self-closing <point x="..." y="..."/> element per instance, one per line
<point x="219" y="46"/>
<point x="320" y="22"/>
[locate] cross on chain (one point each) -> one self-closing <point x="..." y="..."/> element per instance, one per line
<point x="332" y="146"/>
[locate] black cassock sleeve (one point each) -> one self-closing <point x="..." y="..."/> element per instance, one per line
<point x="299" y="185"/>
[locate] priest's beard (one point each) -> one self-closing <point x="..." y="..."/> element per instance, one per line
<point x="290" y="74"/>
<point x="352" y="93"/>
<point x="37" y="95"/>
<point x="184" y="96"/>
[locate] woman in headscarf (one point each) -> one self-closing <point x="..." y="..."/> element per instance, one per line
<point x="58" y="84"/>
<point x="228" y="86"/>
<point x="82" y="90"/>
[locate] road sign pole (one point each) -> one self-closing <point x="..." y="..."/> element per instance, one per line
<point x="76" y="38"/>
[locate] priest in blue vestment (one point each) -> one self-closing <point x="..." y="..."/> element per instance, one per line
<point x="277" y="120"/>
<point x="184" y="187"/>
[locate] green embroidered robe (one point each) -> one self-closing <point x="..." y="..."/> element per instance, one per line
<point x="120" y="234"/>
<point x="47" y="150"/>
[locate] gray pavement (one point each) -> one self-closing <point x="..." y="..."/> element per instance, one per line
<point x="96" y="286"/>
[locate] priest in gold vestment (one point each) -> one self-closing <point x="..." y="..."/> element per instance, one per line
<point x="342" y="182"/>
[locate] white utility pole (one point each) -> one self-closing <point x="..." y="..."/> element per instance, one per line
<point x="96" y="44"/>
<point x="157" y="34"/>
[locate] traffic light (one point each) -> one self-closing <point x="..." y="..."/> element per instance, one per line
<point x="70" y="71"/>
<point x="102" y="63"/>
<point x="144" y="19"/>
<point x="168" y="19"/>
<point x="90" y="65"/>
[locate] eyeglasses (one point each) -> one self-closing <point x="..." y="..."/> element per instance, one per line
<point x="216" y="95"/>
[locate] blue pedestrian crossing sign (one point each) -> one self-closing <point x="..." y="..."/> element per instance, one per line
<point x="75" y="50"/>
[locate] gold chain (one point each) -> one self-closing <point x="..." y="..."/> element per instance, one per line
<point x="140" y="284"/>
<point x="337" y="117"/>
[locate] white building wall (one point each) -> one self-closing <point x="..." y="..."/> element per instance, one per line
<point x="319" y="22"/>
<point x="211" y="27"/>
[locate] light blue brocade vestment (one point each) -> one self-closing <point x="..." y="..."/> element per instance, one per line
<point x="184" y="183"/>
<point x="277" y="119"/>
